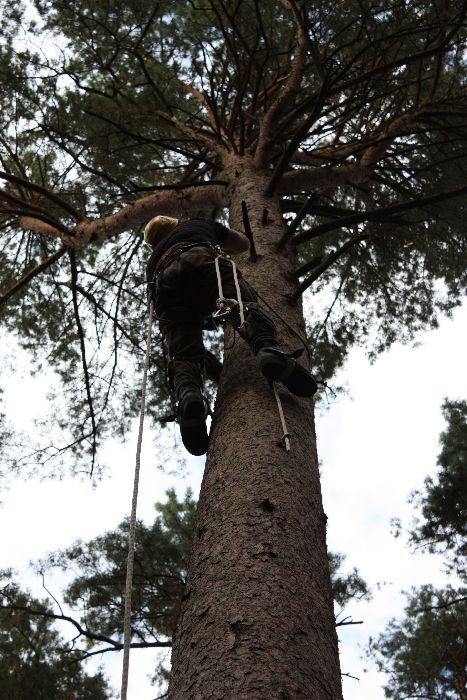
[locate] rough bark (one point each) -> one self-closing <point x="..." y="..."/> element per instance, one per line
<point x="257" y="618"/>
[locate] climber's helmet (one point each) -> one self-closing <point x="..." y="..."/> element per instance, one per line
<point x="158" y="228"/>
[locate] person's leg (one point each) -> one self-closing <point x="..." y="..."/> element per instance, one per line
<point x="258" y="330"/>
<point x="182" y="333"/>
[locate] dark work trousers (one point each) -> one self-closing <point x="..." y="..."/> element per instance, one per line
<point x="186" y="295"/>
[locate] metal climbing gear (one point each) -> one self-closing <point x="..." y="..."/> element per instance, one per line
<point x="227" y="306"/>
<point x="225" y="311"/>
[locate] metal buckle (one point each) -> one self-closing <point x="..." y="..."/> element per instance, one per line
<point x="224" y="309"/>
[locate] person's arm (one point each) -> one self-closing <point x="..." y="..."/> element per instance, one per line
<point x="235" y="242"/>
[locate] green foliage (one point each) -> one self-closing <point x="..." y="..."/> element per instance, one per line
<point x="161" y="559"/>
<point x="94" y="596"/>
<point x="346" y="587"/>
<point x="425" y="654"/>
<point x="35" y="661"/>
<point x="440" y="525"/>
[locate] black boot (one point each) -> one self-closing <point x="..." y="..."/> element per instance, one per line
<point x="185" y="378"/>
<point x="259" y="331"/>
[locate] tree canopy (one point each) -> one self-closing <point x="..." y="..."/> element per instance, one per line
<point x="111" y="114"/>
<point x="425" y="653"/>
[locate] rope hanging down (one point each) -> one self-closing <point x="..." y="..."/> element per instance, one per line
<point x="226" y="305"/>
<point x="131" y="535"/>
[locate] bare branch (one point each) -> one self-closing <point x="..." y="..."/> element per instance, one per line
<point x="285" y="96"/>
<point x="87" y="383"/>
<point x="324" y="265"/>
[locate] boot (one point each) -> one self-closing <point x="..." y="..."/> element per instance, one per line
<point x="259" y="331"/>
<point x="185" y="378"/>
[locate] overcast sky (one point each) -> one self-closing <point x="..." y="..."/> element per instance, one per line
<point x="376" y="445"/>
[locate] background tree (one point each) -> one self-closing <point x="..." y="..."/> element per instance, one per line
<point x="425" y="653"/>
<point x="35" y="661"/>
<point x="441" y="525"/>
<point x="349" y="115"/>
<point x="93" y="600"/>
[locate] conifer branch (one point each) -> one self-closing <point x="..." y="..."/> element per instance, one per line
<point x="360" y="217"/>
<point x="25" y="279"/>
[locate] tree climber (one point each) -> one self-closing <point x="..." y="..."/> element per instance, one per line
<point x="181" y="275"/>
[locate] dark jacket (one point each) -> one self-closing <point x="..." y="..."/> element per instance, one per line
<point x="189" y="231"/>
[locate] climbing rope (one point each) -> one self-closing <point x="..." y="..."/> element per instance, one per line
<point x="131" y="535"/>
<point x="225" y="306"/>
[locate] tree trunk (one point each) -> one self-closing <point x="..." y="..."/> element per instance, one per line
<point x="257" y="617"/>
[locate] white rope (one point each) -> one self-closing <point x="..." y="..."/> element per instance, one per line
<point x="239" y="296"/>
<point x="222" y="300"/>
<point x="131" y="535"/>
<point x="286" y="434"/>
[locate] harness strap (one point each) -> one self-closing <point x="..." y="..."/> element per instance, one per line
<point x="222" y="301"/>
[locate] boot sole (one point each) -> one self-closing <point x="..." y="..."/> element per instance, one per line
<point x="193" y="428"/>
<point x="299" y="382"/>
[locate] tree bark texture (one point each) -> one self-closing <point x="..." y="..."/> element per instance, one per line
<point x="257" y="616"/>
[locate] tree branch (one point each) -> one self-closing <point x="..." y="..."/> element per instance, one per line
<point x="322" y="267"/>
<point x="92" y="636"/>
<point x="298" y="137"/>
<point x="172" y="202"/>
<point x="360" y="217"/>
<point x="87" y="383"/>
<point x="45" y="192"/>
<point x="290" y="89"/>
<point x="23" y="281"/>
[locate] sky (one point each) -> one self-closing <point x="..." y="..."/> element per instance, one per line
<point x="376" y="444"/>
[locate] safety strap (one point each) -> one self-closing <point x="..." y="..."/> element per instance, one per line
<point x="223" y="303"/>
<point x="131" y="535"/>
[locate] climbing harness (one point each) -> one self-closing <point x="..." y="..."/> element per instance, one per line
<point x="132" y="531"/>
<point x="225" y="309"/>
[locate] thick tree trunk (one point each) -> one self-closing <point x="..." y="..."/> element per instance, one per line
<point x="257" y="618"/>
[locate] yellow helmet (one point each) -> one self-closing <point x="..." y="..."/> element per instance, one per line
<point x="158" y="228"/>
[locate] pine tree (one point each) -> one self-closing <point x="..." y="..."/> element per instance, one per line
<point x="349" y="115"/>
<point x="36" y="663"/>
<point x="425" y="653"/>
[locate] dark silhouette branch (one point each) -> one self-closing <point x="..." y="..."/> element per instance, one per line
<point x="322" y="267"/>
<point x="23" y="281"/>
<point x="296" y="140"/>
<point x="84" y="632"/>
<point x="293" y="226"/>
<point x="379" y="214"/>
<point x="45" y="192"/>
<point x="87" y="382"/>
<point x="441" y="606"/>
